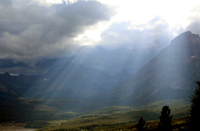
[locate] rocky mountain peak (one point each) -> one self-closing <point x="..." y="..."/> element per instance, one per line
<point x="170" y="75"/>
<point x="185" y="47"/>
<point x="7" y="74"/>
<point x="187" y="37"/>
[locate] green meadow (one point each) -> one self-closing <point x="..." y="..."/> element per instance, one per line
<point x="116" y="117"/>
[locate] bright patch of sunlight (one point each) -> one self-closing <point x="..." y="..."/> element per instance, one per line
<point x="92" y="35"/>
<point x="140" y="12"/>
<point x="53" y="2"/>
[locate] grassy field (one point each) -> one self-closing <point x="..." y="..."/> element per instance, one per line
<point x="14" y="126"/>
<point x="122" y="117"/>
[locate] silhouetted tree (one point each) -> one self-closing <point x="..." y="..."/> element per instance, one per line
<point x="165" y="119"/>
<point x="195" y="110"/>
<point x="140" y="126"/>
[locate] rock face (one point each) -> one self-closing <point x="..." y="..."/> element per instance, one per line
<point x="170" y="75"/>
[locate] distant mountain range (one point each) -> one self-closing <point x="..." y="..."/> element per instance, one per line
<point x="16" y="85"/>
<point x="113" y="61"/>
<point x="70" y="80"/>
<point x="110" y="61"/>
<point x="12" y="107"/>
<point x="170" y="75"/>
<point x="70" y="86"/>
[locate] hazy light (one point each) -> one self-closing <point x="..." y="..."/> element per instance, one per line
<point x="52" y="2"/>
<point x="92" y="35"/>
<point x="174" y="12"/>
<point x="137" y="13"/>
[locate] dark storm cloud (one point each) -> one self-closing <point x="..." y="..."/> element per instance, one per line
<point x="30" y="31"/>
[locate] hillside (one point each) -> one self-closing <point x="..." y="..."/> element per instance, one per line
<point x="170" y="75"/>
<point x="65" y="79"/>
<point x="11" y="106"/>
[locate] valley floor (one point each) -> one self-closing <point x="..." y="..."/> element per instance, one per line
<point x="90" y="124"/>
<point x="106" y="118"/>
<point x="15" y="128"/>
<point x="124" y="118"/>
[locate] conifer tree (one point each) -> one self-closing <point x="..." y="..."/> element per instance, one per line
<point x="165" y="119"/>
<point x="140" y="126"/>
<point x="195" y="109"/>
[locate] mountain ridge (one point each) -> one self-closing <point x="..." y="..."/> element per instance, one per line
<point x="71" y="80"/>
<point x="175" y="67"/>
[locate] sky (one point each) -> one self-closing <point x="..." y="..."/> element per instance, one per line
<point x="35" y="29"/>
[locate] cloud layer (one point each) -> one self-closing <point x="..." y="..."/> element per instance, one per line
<point x="30" y="31"/>
<point x="156" y="33"/>
<point x="33" y="29"/>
